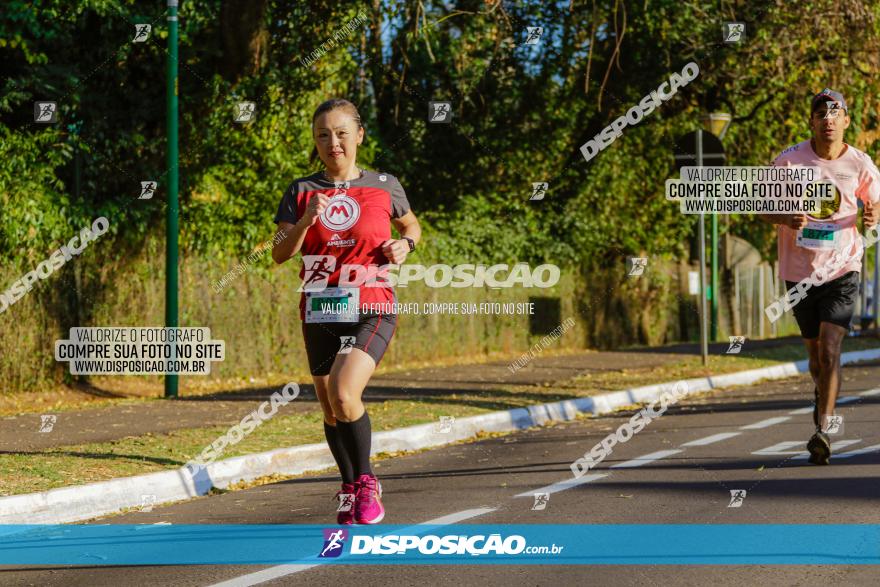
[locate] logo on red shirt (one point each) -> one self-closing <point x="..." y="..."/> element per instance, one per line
<point x="338" y="241"/>
<point x="342" y="213"/>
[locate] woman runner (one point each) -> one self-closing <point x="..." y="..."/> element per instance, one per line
<point x="342" y="216"/>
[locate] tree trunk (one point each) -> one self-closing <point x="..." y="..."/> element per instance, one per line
<point x="244" y="37"/>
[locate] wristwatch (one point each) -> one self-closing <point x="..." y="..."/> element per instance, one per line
<point x="412" y="243"/>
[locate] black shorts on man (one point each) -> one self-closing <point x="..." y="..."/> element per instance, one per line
<point x="834" y="302"/>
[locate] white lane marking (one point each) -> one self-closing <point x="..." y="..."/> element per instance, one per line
<point x="871" y="392"/>
<point x="857" y="452"/>
<point x="264" y="575"/>
<point x="711" y="439"/>
<point x="802" y="411"/>
<point x="767" y="423"/>
<point x="283" y="570"/>
<point x="645" y="459"/>
<point x="839" y="444"/>
<point x="784" y="448"/>
<point x="781" y="448"/>
<point x="562" y="485"/>
<point x="456" y="517"/>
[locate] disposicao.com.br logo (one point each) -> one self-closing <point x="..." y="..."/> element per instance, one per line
<point x="334" y="542"/>
<point x="432" y="544"/>
<point x="318" y="270"/>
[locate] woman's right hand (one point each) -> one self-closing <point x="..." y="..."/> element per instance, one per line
<point x="315" y="207"/>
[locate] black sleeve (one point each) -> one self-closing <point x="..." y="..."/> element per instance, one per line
<point x="287" y="206"/>
<point x="399" y="203"/>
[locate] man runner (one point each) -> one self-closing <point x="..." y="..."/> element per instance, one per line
<point x="827" y="240"/>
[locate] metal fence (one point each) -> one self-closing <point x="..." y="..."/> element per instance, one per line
<point x="754" y="288"/>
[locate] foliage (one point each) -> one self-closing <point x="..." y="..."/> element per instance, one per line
<point x="521" y="112"/>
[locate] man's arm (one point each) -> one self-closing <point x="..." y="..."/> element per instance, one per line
<point x="793" y="221"/>
<point x="870" y="215"/>
<point x="869" y="193"/>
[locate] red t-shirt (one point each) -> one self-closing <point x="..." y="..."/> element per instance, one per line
<point x="351" y="230"/>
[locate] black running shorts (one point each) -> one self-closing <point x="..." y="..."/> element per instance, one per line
<point x="834" y="302"/>
<point x="371" y="334"/>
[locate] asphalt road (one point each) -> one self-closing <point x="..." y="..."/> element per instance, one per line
<point x="679" y="469"/>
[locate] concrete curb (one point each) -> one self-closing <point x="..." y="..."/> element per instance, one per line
<point x="83" y="502"/>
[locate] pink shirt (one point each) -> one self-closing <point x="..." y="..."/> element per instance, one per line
<point x="855" y="176"/>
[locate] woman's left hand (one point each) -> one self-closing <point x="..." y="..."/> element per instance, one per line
<point x="395" y="250"/>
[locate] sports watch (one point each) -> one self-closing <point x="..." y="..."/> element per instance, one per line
<point x="412" y="243"/>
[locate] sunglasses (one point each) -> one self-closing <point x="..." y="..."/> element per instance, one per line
<point x="831" y="109"/>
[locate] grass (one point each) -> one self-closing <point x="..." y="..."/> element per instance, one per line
<point x="115" y="391"/>
<point x="86" y="463"/>
<point x="138" y="455"/>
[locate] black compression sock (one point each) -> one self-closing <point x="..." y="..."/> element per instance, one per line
<point x="356" y="437"/>
<point x="334" y="441"/>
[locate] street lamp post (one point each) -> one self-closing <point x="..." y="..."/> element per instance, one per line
<point x="717" y="123"/>
<point x="700" y="148"/>
<point x="171" y="220"/>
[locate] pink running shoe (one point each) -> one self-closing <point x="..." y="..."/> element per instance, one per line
<point x="346" y="499"/>
<point x="368" y="505"/>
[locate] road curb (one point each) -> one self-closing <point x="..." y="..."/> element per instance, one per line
<point x="83" y="502"/>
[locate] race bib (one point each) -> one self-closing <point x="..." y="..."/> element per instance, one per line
<point x="819" y="235"/>
<point x="333" y="304"/>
